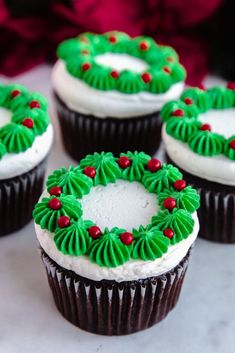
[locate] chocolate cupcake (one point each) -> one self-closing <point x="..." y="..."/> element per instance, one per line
<point x="109" y="90"/>
<point x="25" y="140"/>
<point x="199" y="137"/>
<point x="116" y="236"/>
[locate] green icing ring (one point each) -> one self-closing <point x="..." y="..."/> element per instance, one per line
<point x="79" y="55"/>
<point x="182" y="120"/>
<point x="113" y="247"/>
<point x="26" y="108"/>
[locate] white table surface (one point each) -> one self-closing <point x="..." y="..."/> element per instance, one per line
<point x="203" y="321"/>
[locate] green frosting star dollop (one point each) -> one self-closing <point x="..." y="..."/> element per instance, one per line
<point x="188" y="199"/>
<point x="139" y="161"/>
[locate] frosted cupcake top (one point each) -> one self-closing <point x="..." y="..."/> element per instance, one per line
<point x="117" y="218"/>
<point x="199" y="133"/>
<point x="25" y="131"/>
<point x="113" y="65"/>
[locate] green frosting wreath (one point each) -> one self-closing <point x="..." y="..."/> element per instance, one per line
<point x="60" y="211"/>
<point x="29" y="118"/>
<point x="163" y="67"/>
<point x="182" y="120"/>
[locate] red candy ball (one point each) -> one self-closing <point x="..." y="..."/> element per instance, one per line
<point x="55" y="190"/>
<point x="167" y="69"/>
<point x="86" y="66"/>
<point x="143" y="46"/>
<point x="15" y="93"/>
<point x="154" y="165"/>
<point x="90" y="172"/>
<point x="169" y="203"/>
<point x="178" y="112"/>
<point x="188" y="101"/>
<point x="54" y="204"/>
<point x="124" y="162"/>
<point x="205" y="127"/>
<point x="231" y="85"/>
<point x="146" y="77"/>
<point x="232" y="144"/>
<point x="114" y="74"/>
<point x="126" y="238"/>
<point x="169" y="233"/>
<point x="180" y="184"/>
<point x="28" y="122"/>
<point x="63" y="222"/>
<point x="34" y="104"/>
<point x="94" y="232"/>
<point x="112" y="39"/>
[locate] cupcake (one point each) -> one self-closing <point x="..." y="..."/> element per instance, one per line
<point x="116" y="236"/>
<point x="109" y="90"/>
<point x="25" y="140"/>
<point x="199" y="137"/>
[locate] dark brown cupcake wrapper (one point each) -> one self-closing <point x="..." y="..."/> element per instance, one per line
<point x="114" y="308"/>
<point x="18" y="196"/>
<point x="83" y="134"/>
<point x="217" y="211"/>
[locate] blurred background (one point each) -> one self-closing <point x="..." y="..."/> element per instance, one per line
<point x="202" y="31"/>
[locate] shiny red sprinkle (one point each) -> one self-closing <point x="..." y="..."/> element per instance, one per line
<point x="154" y="165"/>
<point x="34" y="104"/>
<point x="126" y="238"/>
<point x="112" y="39"/>
<point x="169" y="233"/>
<point x="180" y="184"/>
<point x="231" y="85"/>
<point x="143" y="46"/>
<point x="28" y="122"/>
<point x="86" y="66"/>
<point x="178" y="112"/>
<point x="94" y="232"/>
<point x="15" y="93"/>
<point x="63" y="222"/>
<point x="114" y="74"/>
<point x="124" y="162"/>
<point x="90" y="172"/>
<point x="54" y="204"/>
<point x="169" y="203"/>
<point x="188" y="101"/>
<point x="146" y="77"/>
<point x="232" y="144"/>
<point x="205" y="127"/>
<point x="167" y="69"/>
<point x="55" y="190"/>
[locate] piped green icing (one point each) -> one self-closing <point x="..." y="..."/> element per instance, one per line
<point x="47" y="218"/>
<point x="107" y="169"/>
<point x="3" y="150"/>
<point x="182" y="129"/>
<point x="72" y="181"/>
<point x="137" y="168"/>
<point x="221" y="97"/>
<point x="150" y="244"/>
<point x="180" y="221"/>
<point x="17" y="138"/>
<point x="40" y="119"/>
<point x="163" y="178"/>
<point x="75" y="239"/>
<point x="228" y="150"/>
<point x="108" y="250"/>
<point x="201" y="98"/>
<point x="188" y="199"/>
<point x="206" y="143"/>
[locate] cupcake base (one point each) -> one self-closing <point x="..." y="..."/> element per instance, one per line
<point x="112" y="308"/>
<point x="217" y="211"/>
<point x="18" y="196"/>
<point x="83" y="134"/>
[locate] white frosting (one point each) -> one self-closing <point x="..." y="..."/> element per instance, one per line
<point x="122" y="204"/>
<point x="121" y="62"/>
<point x="13" y="164"/>
<point x="221" y="121"/>
<point x="82" y="98"/>
<point x="219" y="168"/>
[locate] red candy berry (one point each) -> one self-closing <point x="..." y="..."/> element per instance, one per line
<point x="232" y="144"/>
<point x="169" y="203"/>
<point x="126" y="238"/>
<point x="28" y="122"/>
<point x="94" y="232"/>
<point x="169" y="233"/>
<point x="154" y="165"/>
<point x="112" y="39"/>
<point x="114" y="74"/>
<point x="34" y="104"/>
<point x="180" y="184"/>
<point x="55" y="190"/>
<point x="178" y="112"/>
<point x="54" y="204"/>
<point x="188" y="101"/>
<point x="124" y="162"/>
<point x="90" y="172"/>
<point x="143" y="46"/>
<point x="205" y="127"/>
<point x="167" y="69"/>
<point x="86" y="66"/>
<point x="63" y="222"/>
<point x="231" y="85"/>
<point x="146" y="77"/>
<point x="15" y="93"/>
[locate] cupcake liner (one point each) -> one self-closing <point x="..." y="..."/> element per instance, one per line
<point x="217" y="211"/>
<point x="114" y="308"/>
<point x="83" y="134"/>
<point x="18" y="196"/>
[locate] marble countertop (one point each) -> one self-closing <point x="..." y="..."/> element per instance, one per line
<point x="203" y="320"/>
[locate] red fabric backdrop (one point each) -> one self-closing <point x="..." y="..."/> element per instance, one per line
<point x="26" y="41"/>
